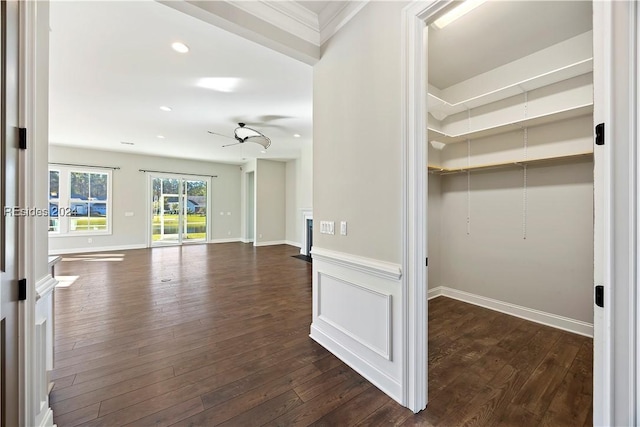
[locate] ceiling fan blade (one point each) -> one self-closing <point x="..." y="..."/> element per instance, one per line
<point x="219" y="134"/>
<point x="272" y="117"/>
<point x="231" y="145"/>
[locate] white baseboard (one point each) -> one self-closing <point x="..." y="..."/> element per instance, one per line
<point x="291" y="243"/>
<point x="241" y="240"/>
<point x="434" y="293"/>
<point x="560" y="322"/>
<point x="47" y="419"/>
<point x="90" y="249"/>
<point x="360" y="365"/>
<point x="271" y="243"/>
<point x="229" y="240"/>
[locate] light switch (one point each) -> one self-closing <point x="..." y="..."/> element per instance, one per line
<point x="327" y="227"/>
<point x="343" y="228"/>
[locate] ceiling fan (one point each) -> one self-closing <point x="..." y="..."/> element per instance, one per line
<point x="243" y="134"/>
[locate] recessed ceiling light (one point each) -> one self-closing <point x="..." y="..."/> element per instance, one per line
<point x="161" y="136"/>
<point x="263" y="151"/>
<point x="126" y="143"/>
<point x="165" y="108"/>
<point x="296" y="135"/>
<point x="221" y="84"/>
<point x="464" y="8"/>
<point x="180" y="47"/>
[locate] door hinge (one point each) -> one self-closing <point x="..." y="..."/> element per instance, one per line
<point x="426" y="262"/>
<point x="600" y="134"/>
<point x="22" y="289"/>
<point x="599" y="296"/>
<point x="22" y="138"/>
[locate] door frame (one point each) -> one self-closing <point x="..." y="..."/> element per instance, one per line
<point x="616" y="399"/>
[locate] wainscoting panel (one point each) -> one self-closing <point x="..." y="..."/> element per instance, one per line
<point x="337" y="301"/>
<point x="356" y="315"/>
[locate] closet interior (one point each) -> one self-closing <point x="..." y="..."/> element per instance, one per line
<point x="510" y="160"/>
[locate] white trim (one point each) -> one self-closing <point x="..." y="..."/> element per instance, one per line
<point x="228" y="240"/>
<point x="271" y="243"/>
<point x="434" y="293"/>
<point x="383" y="269"/>
<point x="47" y="419"/>
<point x="287" y="16"/>
<point x="414" y="200"/>
<point x="307" y="214"/>
<point x="292" y="243"/>
<point x="96" y="249"/>
<point x="559" y="322"/>
<point x="45" y="286"/>
<point x="358" y="364"/>
<point x="246" y="240"/>
<point x="335" y="15"/>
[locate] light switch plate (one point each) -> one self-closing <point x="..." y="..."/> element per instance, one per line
<point x="343" y="228"/>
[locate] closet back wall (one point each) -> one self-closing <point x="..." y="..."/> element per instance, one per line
<point x="550" y="270"/>
<point x="129" y="194"/>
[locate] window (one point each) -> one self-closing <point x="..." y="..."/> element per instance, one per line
<point x="79" y="201"/>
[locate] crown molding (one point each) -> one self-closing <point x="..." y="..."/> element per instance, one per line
<point x="295" y="19"/>
<point x="288" y="16"/>
<point x="336" y="15"/>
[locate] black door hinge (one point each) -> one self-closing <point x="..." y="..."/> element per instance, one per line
<point x="23" y="138"/>
<point x="600" y="134"/>
<point x="426" y="262"/>
<point x="22" y="289"/>
<point x="600" y="296"/>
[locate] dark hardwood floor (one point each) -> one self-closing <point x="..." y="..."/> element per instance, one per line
<point x="218" y="335"/>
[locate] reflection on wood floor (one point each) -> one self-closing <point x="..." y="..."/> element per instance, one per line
<point x="218" y="334"/>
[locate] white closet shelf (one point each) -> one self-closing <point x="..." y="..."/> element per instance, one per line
<point x="556" y="116"/>
<point x="568" y="158"/>
<point x="440" y="108"/>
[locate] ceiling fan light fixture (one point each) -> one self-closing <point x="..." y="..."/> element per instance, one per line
<point x="243" y="134"/>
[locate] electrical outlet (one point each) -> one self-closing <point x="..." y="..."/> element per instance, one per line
<point x="228" y="233"/>
<point x="260" y="236"/>
<point x="89" y="240"/>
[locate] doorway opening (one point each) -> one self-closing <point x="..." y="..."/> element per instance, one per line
<point x="510" y="161"/>
<point x="179" y="208"/>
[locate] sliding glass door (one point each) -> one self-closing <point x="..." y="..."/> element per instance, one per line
<point x="178" y="210"/>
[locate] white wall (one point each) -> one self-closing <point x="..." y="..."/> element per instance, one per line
<point x="129" y="194"/>
<point x="552" y="269"/>
<point x="357" y="178"/>
<point x="299" y="193"/>
<point x="270" y="188"/>
<point x="434" y="234"/>
<point x="356" y="134"/>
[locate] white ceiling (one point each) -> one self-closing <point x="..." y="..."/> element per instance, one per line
<point x="499" y="32"/>
<point x="112" y="67"/>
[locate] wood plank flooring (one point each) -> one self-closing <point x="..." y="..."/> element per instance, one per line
<point x="218" y="335"/>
